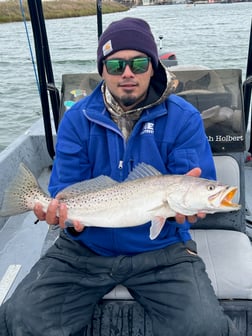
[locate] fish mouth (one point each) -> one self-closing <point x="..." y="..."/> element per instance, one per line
<point x="225" y="198"/>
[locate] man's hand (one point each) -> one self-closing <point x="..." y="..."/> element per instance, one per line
<point x="56" y="214"/>
<point x="191" y="219"/>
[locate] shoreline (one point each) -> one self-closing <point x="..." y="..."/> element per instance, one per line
<point x="10" y="10"/>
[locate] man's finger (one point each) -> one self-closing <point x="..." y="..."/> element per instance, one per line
<point x="62" y="215"/>
<point x="194" y="172"/>
<point x="78" y="226"/>
<point x="180" y="218"/>
<point x="51" y="214"/>
<point x="38" y="211"/>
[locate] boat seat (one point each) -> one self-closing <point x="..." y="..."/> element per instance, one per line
<point x="227" y="253"/>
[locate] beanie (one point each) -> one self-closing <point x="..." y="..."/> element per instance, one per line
<point x="127" y="34"/>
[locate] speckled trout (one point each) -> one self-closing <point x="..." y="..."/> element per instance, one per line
<point x="145" y="196"/>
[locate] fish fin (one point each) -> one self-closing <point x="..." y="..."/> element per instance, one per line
<point x="157" y="225"/>
<point x="142" y="170"/>
<point x="92" y="185"/>
<point x="16" y="195"/>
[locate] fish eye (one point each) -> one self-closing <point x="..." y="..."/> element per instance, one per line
<point x="210" y="187"/>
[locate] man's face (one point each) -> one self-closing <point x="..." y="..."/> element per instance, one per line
<point x="128" y="89"/>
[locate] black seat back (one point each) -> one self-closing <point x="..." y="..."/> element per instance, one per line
<point x="217" y="94"/>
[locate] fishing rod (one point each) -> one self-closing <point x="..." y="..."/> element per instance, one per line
<point x="247" y="89"/>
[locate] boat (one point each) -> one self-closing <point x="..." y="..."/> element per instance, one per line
<point x="223" y="240"/>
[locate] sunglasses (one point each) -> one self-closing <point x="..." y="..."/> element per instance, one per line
<point x="117" y="67"/>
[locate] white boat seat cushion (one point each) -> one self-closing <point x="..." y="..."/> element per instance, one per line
<point x="228" y="258"/>
<point x="227" y="171"/>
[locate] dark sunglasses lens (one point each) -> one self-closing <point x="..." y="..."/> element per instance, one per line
<point x="117" y="66"/>
<point x="139" y="65"/>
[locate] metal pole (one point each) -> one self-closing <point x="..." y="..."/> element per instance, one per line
<point x="40" y="56"/>
<point x="248" y="82"/>
<point x="99" y="17"/>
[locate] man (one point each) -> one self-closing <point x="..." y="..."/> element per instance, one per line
<point x="131" y="117"/>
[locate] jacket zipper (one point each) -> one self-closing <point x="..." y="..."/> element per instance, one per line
<point x="105" y="125"/>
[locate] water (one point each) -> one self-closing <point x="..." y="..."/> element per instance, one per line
<point x="214" y="35"/>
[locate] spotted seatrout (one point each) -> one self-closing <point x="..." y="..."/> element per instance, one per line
<point x="145" y="196"/>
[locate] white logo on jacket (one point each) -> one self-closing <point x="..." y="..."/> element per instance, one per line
<point x="148" y="128"/>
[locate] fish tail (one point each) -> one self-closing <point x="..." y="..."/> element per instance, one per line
<point x="18" y="196"/>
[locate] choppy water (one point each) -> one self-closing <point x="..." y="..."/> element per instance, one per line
<point x="214" y="35"/>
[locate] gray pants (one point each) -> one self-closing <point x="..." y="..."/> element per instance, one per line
<point x="59" y="294"/>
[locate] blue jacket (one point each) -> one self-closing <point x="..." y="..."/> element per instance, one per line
<point x="169" y="136"/>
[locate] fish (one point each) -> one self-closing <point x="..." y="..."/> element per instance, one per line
<point x="145" y="196"/>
